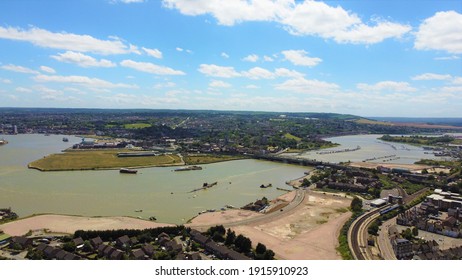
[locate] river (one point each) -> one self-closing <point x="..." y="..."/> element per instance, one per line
<point x="370" y="148"/>
<point x="158" y="192"/>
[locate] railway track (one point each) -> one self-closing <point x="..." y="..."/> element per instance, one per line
<point x="356" y="232"/>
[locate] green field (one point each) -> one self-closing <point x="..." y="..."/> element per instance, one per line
<point x="100" y="159"/>
<point x="208" y="158"/>
<point x="290" y="136"/>
<point x="136" y="125"/>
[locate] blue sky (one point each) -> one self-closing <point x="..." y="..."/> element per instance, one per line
<point x="368" y="58"/>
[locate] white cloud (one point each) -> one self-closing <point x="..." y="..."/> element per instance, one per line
<point x="457" y="80"/>
<point x="23" y="90"/>
<point x="251" y="58"/>
<point x="284" y="72"/>
<point x="431" y="76"/>
<point x="220" y="84"/>
<point x="443" y="31"/>
<point x="65" y="41"/>
<point x="47" y="69"/>
<point x="165" y="85"/>
<point x="456" y="89"/>
<point x="227" y="12"/>
<point x="257" y="73"/>
<point x="267" y="58"/>
<point x="299" y="57"/>
<point x="252" y="86"/>
<point x="387" y="86"/>
<point x="213" y="70"/>
<point x="179" y="49"/>
<point x="153" y="52"/>
<point x="225" y="55"/>
<point x="19" y="69"/>
<point x="48" y="91"/>
<point x="254" y="73"/>
<point x="150" y="68"/>
<point x="5" y="81"/>
<point x="302" y="85"/>
<point x="311" y="18"/>
<point x="81" y="80"/>
<point x="452" y="57"/>
<point x="82" y="60"/>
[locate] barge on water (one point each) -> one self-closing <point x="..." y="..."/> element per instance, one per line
<point x="128" y="171"/>
<point x="188" y="168"/>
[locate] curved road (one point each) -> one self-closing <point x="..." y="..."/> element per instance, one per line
<point x="299" y="197"/>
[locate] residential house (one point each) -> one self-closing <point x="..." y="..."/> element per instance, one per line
<point x="21" y="240"/>
<point x="148" y="249"/>
<point x="95" y="242"/>
<point x="138" y="254"/>
<point x="123" y="242"/>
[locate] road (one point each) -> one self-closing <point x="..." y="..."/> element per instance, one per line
<point x="299" y="197"/>
<point x="383" y="241"/>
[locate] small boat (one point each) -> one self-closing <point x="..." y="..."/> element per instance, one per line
<point x="140" y="210"/>
<point x="65" y="139"/>
<point x="128" y="171"/>
<point x="152" y="218"/>
<point x="3" y="142"/>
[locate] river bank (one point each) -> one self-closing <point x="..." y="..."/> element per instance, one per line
<point x="52" y="223"/>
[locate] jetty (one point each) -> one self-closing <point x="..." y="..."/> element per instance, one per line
<point x="339" y="151"/>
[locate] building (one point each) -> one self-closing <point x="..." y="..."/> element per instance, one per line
<point x="378" y="202"/>
<point x="402" y="248"/>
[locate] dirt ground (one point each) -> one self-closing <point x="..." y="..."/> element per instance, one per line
<point x="69" y="224"/>
<point x="373" y="165"/>
<point x="310" y="232"/>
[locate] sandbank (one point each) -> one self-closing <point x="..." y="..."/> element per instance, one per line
<point x="69" y="224"/>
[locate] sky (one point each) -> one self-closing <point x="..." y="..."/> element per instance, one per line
<point x="368" y="58"/>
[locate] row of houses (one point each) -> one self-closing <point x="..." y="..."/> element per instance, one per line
<point x="448" y="226"/>
<point x="218" y="250"/>
<point x="419" y="249"/>
<point x="428" y="250"/>
<point x="51" y="252"/>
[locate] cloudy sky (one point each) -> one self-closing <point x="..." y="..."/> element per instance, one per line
<point x="369" y="58"/>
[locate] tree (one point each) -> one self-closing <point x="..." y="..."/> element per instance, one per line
<point x="87" y="246"/>
<point x="69" y="246"/>
<point x="230" y="237"/>
<point x="217" y="237"/>
<point x="261" y="249"/>
<point x="415" y="231"/>
<point x="407" y="234"/>
<point x="243" y="244"/>
<point x="356" y="204"/>
<point x="268" y="255"/>
<point x="306" y="183"/>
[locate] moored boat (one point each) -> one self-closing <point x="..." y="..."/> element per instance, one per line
<point x="188" y="168"/>
<point x="128" y="171"/>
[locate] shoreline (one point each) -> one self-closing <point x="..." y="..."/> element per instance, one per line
<point x="56" y="223"/>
